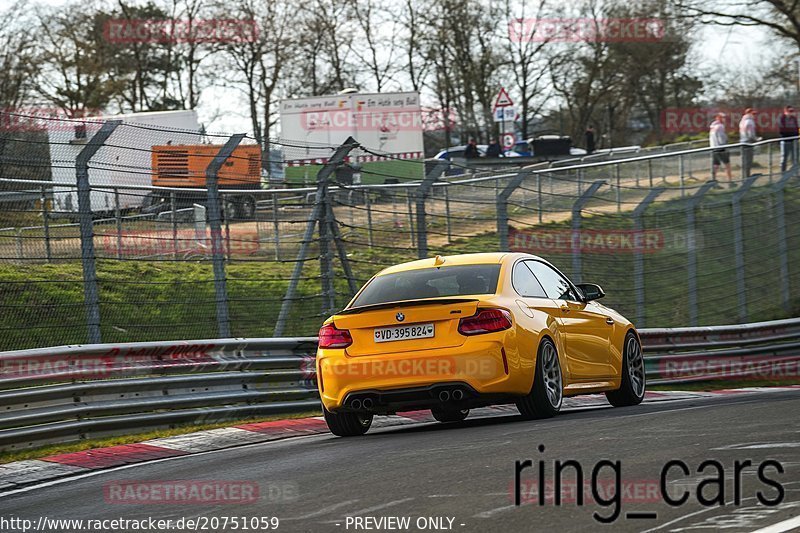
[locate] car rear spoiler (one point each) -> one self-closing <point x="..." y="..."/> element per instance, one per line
<point x="406" y="303"/>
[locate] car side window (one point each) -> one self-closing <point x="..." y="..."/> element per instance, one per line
<point x="525" y="282"/>
<point x="555" y="285"/>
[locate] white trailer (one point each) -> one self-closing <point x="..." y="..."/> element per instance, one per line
<point x="124" y="160"/>
<point x="387" y="123"/>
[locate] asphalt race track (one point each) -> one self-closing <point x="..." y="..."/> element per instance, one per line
<point x="462" y="477"/>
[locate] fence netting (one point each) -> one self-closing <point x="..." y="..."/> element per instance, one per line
<point x="670" y="246"/>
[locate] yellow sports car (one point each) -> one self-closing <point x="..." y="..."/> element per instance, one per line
<point x="454" y="333"/>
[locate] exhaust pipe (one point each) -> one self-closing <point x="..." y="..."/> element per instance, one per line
<point x="458" y="395"/>
<point x="444" y="396"/>
<point x="367" y="403"/>
<point x="356" y="404"/>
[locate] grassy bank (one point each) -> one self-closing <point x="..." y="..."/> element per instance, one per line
<point x="42" y="304"/>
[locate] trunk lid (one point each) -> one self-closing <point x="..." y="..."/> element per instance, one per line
<point x="443" y="313"/>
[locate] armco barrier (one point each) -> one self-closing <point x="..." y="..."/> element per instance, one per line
<point x="69" y="393"/>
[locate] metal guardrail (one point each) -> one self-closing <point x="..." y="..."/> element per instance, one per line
<point x="69" y="393"/>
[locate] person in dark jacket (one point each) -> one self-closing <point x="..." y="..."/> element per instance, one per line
<point x="471" y="152"/>
<point x="589" y="139"/>
<point x="494" y="149"/>
<point x="787" y="126"/>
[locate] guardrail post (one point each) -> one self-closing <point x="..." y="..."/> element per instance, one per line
<point x="575" y="238"/>
<point x="780" y="220"/>
<point x="638" y="258"/>
<point x="90" y="291"/>
<point x="420" y="195"/>
<point x="46" y="223"/>
<point x="691" y="243"/>
<point x="502" y="208"/>
<point x="317" y="216"/>
<point x="619" y="188"/>
<point x="680" y="172"/>
<point x="738" y="244"/>
<point x="217" y="243"/>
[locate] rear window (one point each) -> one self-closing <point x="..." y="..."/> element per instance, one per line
<point x="461" y="280"/>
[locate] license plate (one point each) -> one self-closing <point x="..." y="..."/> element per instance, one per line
<point x="404" y="333"/>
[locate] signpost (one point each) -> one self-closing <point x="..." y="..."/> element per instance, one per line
<point x="504" y="110"/>
<point x="509" y="140"/>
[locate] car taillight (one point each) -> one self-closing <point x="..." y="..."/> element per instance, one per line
<point x="486" y="321"/>
<point x="330" y="337"/>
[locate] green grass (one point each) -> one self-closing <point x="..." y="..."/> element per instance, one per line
<point x="42" y="304"/>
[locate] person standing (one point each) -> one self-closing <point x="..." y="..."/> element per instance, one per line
<point x="787" y="126"/>
<point x="471" y="151"/>
<point x="494" y="149"/>
<point x="718" y="137"/>
<point x="590" y="146"/>
<point x="747" y="134"/>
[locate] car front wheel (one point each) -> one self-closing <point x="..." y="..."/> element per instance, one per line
<point x="632" y="386"/>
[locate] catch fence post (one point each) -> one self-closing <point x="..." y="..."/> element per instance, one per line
<point x="90" y="289"/>
<point x="691" y="243"/>
<point x="575" y="238"/>
<point x="420" y="195"/>
<point x="217" y="243"/>
<point x="638" y="257"/>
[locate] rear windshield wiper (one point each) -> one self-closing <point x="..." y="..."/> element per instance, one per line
<point x="405" y="303"/>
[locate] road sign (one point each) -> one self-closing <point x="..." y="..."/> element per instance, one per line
<point x="505" y="114"/>
<point x="509" y="140"/>
<point x="502" y="99"/>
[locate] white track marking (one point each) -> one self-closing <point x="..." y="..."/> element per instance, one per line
<point x="781" y="527"/>
<point x="373" y="509"/>
<point x="492" y="512"/>
<point x="320" y="512"/>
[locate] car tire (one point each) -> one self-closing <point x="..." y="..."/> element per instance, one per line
<point x="633" y="382"/>
<point x="347" y="424"/>
<point x="545" y="398"/>
<point x="445" y="415"/>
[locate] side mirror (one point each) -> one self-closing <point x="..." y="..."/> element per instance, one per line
<point x="591" y="291"/>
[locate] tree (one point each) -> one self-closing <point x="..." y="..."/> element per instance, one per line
<point x="376" y="48"/>
<point x="780" y="16"/>
<point x="75" y="74"/>
<point x="528" y="58"/>
<point x="260" y="65"/>
<point x="17" y="56"/>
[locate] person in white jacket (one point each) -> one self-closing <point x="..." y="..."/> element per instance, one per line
<point x="718" y="137"/>
<point x="747" y="134"/>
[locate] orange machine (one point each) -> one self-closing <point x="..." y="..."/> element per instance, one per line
<point x="185" y="166"/>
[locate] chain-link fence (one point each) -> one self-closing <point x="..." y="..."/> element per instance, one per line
<point x="120" y="232"/>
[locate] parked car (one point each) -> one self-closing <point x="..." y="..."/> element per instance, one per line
<point x="455" y="154"/>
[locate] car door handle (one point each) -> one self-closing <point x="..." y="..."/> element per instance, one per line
<point x="564" y="309"/>
<point x="610" y="321"/>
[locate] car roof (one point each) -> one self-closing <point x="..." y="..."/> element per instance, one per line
<point x="454" y="260"/>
